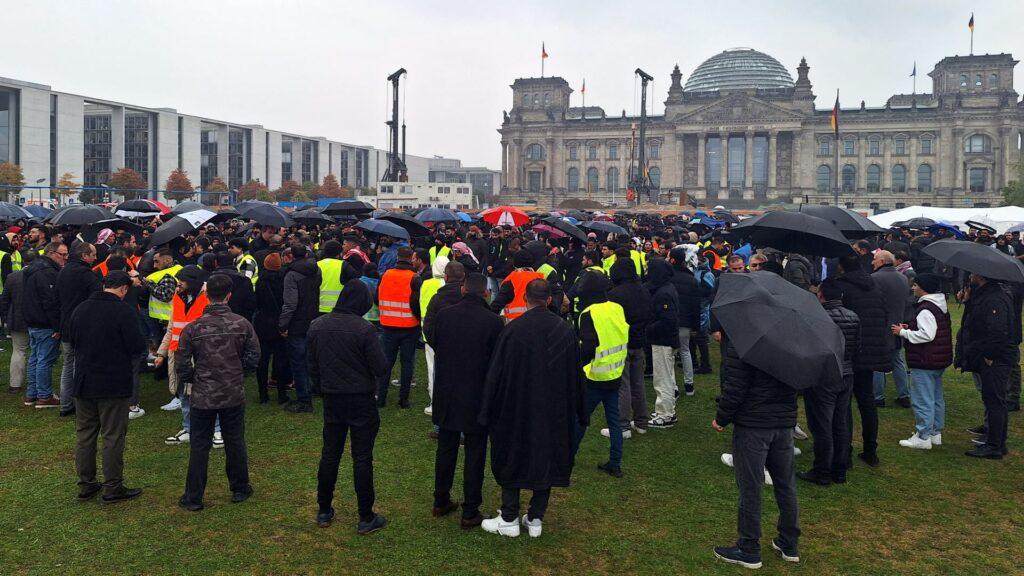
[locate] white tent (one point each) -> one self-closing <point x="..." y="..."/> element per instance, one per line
<point x="999" y="218"/>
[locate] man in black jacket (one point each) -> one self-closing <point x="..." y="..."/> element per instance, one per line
<point x="763" y="412"/>
<point x="345" y="361"/>
<point x="986" y="347"/>
<point x="243" y="297"/>
<point x="106" y="335"/>
<point x="463" y="337"/>
<point x="862" y="296"/>
<point x="75" y="283"/>
<point x="11" y="308"/>
<point x="689" y="311"/>
<point x="42" y="316"/>
<point x="636" y="302"/>
<point x="300" y="306"/>
<point x="663" y="336"/>
<point x="894" y="287"/>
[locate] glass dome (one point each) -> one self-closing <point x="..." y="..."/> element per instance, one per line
<point x="739" y="68"/>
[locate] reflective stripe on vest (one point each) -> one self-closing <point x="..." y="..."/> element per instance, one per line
<point x="612" y="338"/>
<point x="395" y="292"/>
<point x="519" y="279"/>
<point x="157" y="309"/>
<point x="428" y="290"/>
<point x="436" y="251"/>
<point x="330" y="283"/>
<point x="180" y="318"/>
<point x="255" y="267"/>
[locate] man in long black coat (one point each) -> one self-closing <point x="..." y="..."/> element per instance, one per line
<point x="463" y="337"/>
<point x="533" y="399"/>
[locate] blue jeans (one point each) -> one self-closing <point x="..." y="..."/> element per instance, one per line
<point x="45" y="349"/>
<point x="928" y="402"/>
<point x="300" y="372"/>
<point x="610" y="399"/>
<point x="398" y="344"/>
<point x="899" y="375"/>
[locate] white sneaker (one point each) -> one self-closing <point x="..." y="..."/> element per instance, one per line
<point x="533" y="527"/>
<point x="497" y="525"/>
<point x="797" y="451"/>
<point x="181" y="437"/>
<point x="768" y="478"/>
<point x="915" y="441"/>
<point x="625" y="433"/>
<point x="936" y="439"/>
<point x="637" y="429"/>
<point x="396" y="384"/>
<point x="136" y="412"/>
<point x="798" y="433"/>
<point x="174" y="404"/>
<point x="218" y="440"/>
<point x="429" y="410"/>
<point x="727" y="459"/>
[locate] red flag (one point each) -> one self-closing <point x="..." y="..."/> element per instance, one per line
<point x="543" y="52"/>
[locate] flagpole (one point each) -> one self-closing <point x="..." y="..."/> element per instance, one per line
<point x="915" y="78"/>
<point x="972" y="41"/>
<point x="835" y="153"/>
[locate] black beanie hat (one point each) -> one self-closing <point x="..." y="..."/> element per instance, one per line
<point x="930" y="283"/>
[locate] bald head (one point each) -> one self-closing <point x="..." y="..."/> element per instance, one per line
<point x="883" y="258"/>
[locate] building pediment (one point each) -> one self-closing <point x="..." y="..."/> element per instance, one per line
<point x="738" y="108"/>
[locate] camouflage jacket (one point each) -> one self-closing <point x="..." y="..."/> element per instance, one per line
<point x="213" y="354"/>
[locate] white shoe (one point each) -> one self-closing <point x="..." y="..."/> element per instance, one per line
<point x="727" y="459"/>
<point x="533" y="527"/>
<point x="396" y="384"/>
<point x="936" y="439"/>
<point x="637" y="429"/>
<point x="768" y="478"/>
<point x="174" y="404"/>
<point x="626" y="434"/>
<point x="218" y="440"/>
<point x="136" y="412"/>
<point x="497" y="525"/>
<point x="915" y="441"/>
<point x="797" y="451"/>
<point x="429" y="410"/>
<point x="181" y="437"/>
<point x="799" y="434"/>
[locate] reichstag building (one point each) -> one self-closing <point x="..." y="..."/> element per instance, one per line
<point x="742" y="133"/>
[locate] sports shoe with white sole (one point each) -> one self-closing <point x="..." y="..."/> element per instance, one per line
<point x="916" y="441"/>
<point x="626" y="434"/>
<point x="936" y="439"/>
<point x="429" y="410"/>
<point x="790" y="555"/>
<point x="497" y="525"/>
<point x="136" y="412"/>
<point x="798" y="433"/>
<point x="218" y="440"/>
<point x="174" y="404"/>
<point x="181" y="437"/>
<point x="637" y="429"/>
<point x="797" y="451"/>
<point x="533" y="527"/>
<point x="662" y="422"/>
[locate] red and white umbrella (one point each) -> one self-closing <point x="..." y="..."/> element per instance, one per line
<point x="504" y="216"/>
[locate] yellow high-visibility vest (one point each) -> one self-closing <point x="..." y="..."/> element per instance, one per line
<point x="256" y="267"/>
<point x="330" y="283"/>
<point x="428" y="289"/>
<point x="157" y="309"/>
<point x="436" y="251"/>
<point x="612" y="337"/>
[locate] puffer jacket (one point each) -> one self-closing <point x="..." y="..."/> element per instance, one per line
<point x="849" y="323"/>
<point x="752" y="397"/>
<point x="635" y="301"/>
<point x="344" y="351"/>
<point x="862" y="296"/>
<point x="798" y="271"/>
<point x="663" y="329"/>
<point x="40" y="300"/>
<point x="213" y="354"/>
<point x="986" y="329"/>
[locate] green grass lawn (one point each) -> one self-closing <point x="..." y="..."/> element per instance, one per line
<point x="920" y="512"/>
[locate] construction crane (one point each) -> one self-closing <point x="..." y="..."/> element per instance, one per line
<point x="640" y="183"/>
<point x="397" y="170"/>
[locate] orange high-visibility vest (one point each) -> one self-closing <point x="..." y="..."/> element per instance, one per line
<point x="519" y="280"/>
<point x="180" y="318"/>
<point x="394" y="293"/>
<point x="104" y="269"/>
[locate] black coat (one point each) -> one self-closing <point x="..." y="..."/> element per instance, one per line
<point x="862" y="296"/>
<point x="636" y="303"/>
<point x="243" y="298"/>
<point x="447" y="295"/>
<point x="41" y="304"/>
<point x="534" y="397"/>
<point x="895" y="289"/>
<point x="344" y="354"/>
<point x="463" y="337"/>
<point x="75" y="283"/>
<point x="751" y="397"/>
<point x="849" y="323"/>
<point x="663" y="329"/>
<point x="105" y="334"/>
<point x="986" y="329"/>
<point x="269" y="297"/>
<point x="11" y="302"/>
<point x="689" y="295"/>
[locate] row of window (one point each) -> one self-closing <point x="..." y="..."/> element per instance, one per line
<point x="654" y="151"/>
<point x="898" y="178"/>
<point x="536" y="100"/>
<point x="874" y="148"/>
<point x="612" y="181"/>
<point x="993" y="81"/>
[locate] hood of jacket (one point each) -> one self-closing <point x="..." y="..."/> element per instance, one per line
<point x="622" y="271"/>
<point x="659" y="273"/>
<point x="937" y="299"/>
<point x="859" y="278"/>
<point x="355" y="299"/>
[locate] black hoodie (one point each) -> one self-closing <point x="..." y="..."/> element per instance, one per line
<point x="635" y="301"/>
<point x="344" y="352"/>
<point x="664" y="327"/>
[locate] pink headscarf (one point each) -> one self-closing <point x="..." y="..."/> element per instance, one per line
<point x="462" y="248"/>
<point x="104" y="235"/>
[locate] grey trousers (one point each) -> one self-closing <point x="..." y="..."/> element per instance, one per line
<point x="67" y="377"/>
<point x="109" y="419"/>
<point x="753" y="451"/>
<point x="632" y="393"/>
<point x="19" y="358"/>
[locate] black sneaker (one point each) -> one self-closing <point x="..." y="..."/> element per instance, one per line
<point x="371" y="526"/>
<point x="614" y="471"/>
<point x="987" y="452"/>
<point x="870" y="459"/>
<point x="978" y="430"/>
<point x="839" y="478"/>
<point x="404" y="404"/>
<point x="733" y="555"/>
<point x="879" y="403"/>
<point x="789" y="554"/>
<point x="323" y="519"/>
<point x="980" y="440"/>
<point x="903" y="401"/>
<point x="122" y="495"/>
<point x="810" y="476"/>
<point x="241" y="496"/>
<point x="298" y="407"/>
<point x="190" y="506"/>
<point x="689" y="389"/>
<point x="88" y="492"/>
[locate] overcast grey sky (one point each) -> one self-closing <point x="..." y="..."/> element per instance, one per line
<point x="318" y="67"/>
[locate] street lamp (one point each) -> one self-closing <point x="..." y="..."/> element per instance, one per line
<point x="40" y="190"/>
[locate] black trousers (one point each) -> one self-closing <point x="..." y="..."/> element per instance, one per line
<point x="827" y="413"/>
<point x="699" y="343"/>
<point x="472" y="474"/>
<point x="510" y="504"/>
<point x="232" y="427"/>
<point x="753" y="451"/>
<point x="864" y="392"/>
<point x="994" y="385"/>
<point x="345" y="414"/>
<point x="273" y="351"/>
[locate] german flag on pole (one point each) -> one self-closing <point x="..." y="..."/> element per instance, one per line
<point x="835" y="116"/>
<point x="544" y="52"/>
<point x="970" y="24"/>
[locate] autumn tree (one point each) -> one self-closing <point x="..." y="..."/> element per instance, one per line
<point x="178" y="186"/>
<point x="215" y="192"/>
<point x="10" y="175"/>
<point x="253" y="190"/>
<point x="66" y="186"/>
<point x="330" y="188"/>
<point x="1013" y="192"/>
<point x="129" y="183"/>
<point x="287" y="190"/>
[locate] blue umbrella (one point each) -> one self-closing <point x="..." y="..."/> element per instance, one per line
<point x="437" y="215"/>
<point x="571" y="220"/>
<point x="383" y="227"/>
<point x="942" y="224"/>
<point x="464" y="217"/>
<point x="38" y="211"/>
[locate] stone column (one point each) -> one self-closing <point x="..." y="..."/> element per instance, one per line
<point x="748" y="161"/>
<point x="680" y="158"/>
<point x="862" y="165"/>
<point x="958" y="159"/>
<point x="773" y="153"/>
<point x="913" y="142"/>
<point x="700" y="161"/>
<point x="504" y="165"/>
<point x="1004" y="160"/>
<point x="723" y="166"/>
<point x="886" y="163"/>
<point x="515" y="172"/>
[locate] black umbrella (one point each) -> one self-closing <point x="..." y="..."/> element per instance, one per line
<point x="411" y="225"/>
<point x="9" y="211"/>
<point x="794" y="232"/>
<point x="90" y="232"/>
<point x="566" y="227"/>
<point x="383" y="227"/>
<point x="378" y="213"/>
<point x="919" y="223"/>
<point x="138" y="208"/>
<point x="311" y="218"/>
<point x="726" y="216"/>
<point x="780" y="329"/>
<point x="180" y="225"/>
<point x="977" y="258"/>
<point x="603" y="226"/>
<point x="437" y="215"/>
<point x="224" y="214"/>
<point x="850" y="223"/>
<point x="79" y="215"/>
<point x="347" y="207"/>
<point x="188" y="206"/>
<point x="38" y="211"/>
<point x="980" y="226"/>
<point x="268" y="215"/>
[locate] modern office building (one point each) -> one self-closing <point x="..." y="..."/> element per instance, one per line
<point x="49" y="133"/>
<point x="741" y="132"/>
<point x="450" y="170"/>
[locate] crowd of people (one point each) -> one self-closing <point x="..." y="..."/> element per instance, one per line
<point x="524" y="335"/>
